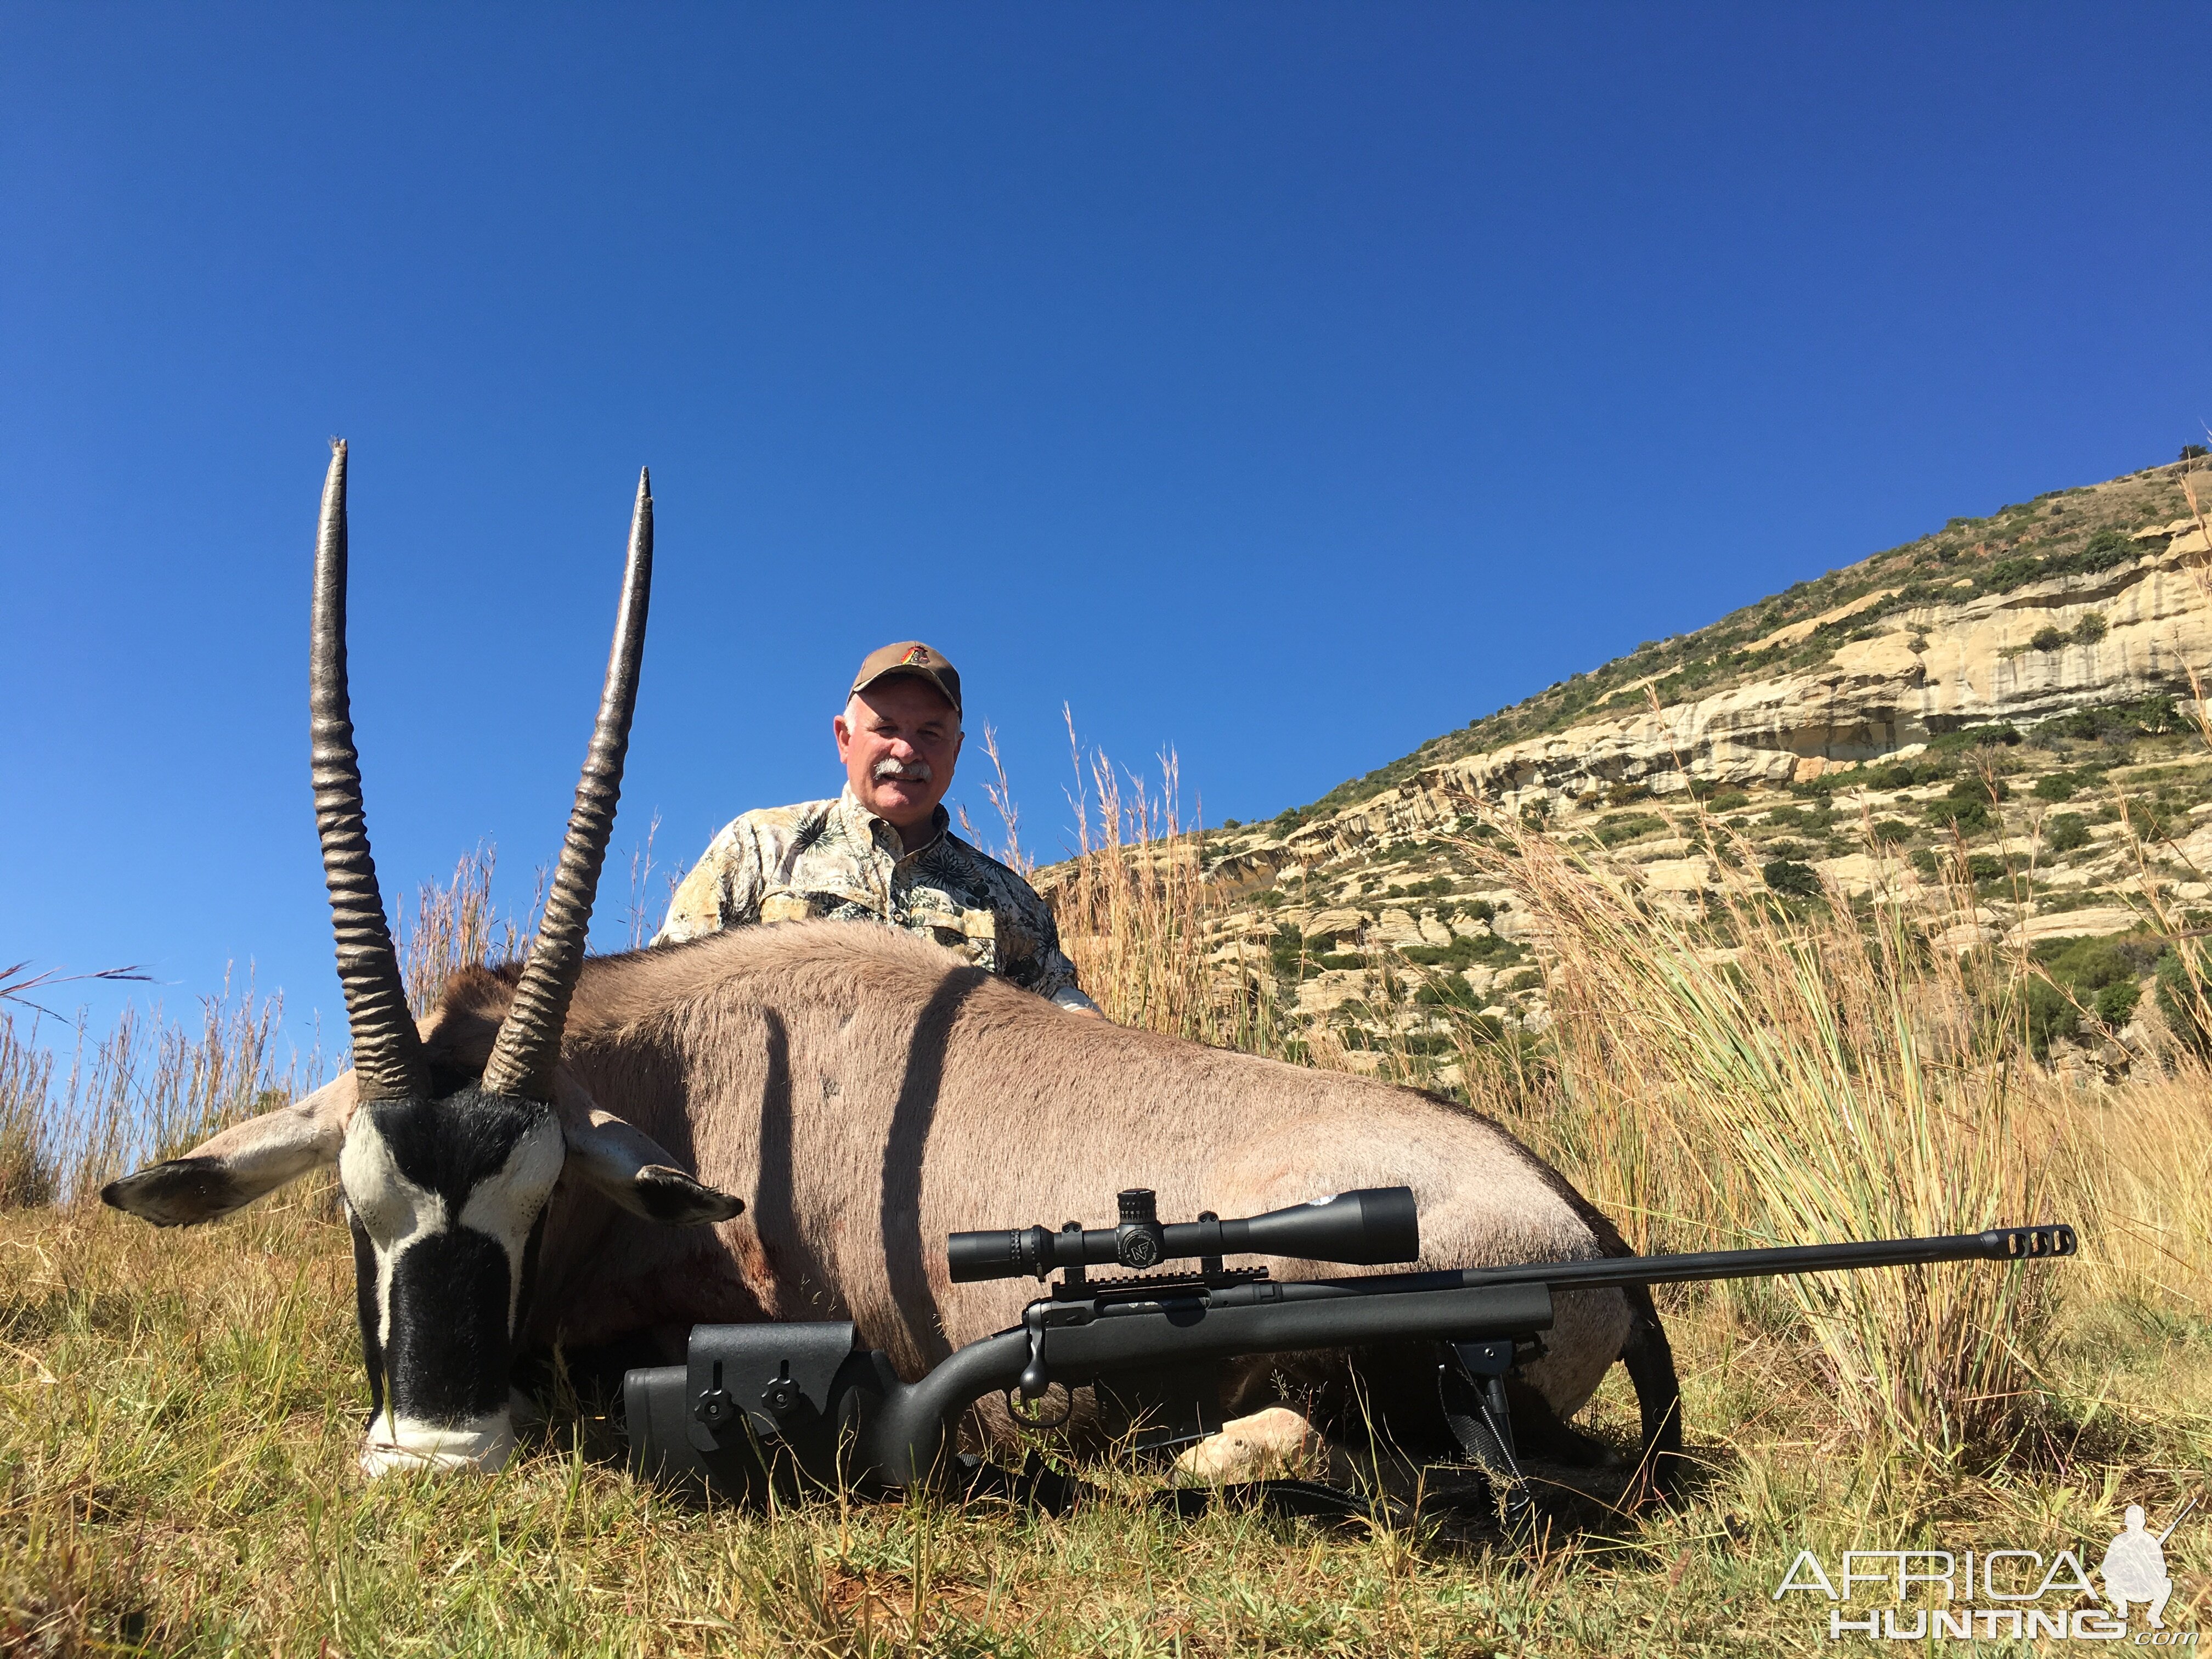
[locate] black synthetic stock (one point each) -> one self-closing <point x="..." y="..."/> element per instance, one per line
<point x="1365" y="1227"/>
<point x="902" y="1439"/>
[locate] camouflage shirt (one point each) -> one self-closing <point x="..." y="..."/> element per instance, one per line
<point x="836" y="859"/>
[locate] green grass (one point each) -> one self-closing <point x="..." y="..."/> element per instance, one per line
<point x="179" y="1412"/>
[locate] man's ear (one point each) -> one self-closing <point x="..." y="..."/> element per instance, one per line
<point x="241" y="1163"/>
<point x="633" y="1168"/>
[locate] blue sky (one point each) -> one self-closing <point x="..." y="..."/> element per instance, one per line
<point x="1284" y="383"/>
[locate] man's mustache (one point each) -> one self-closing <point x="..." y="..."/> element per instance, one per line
<point x="904" y="771"/>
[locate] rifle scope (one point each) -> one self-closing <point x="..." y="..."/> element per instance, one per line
<point x="1366" y="1228"/>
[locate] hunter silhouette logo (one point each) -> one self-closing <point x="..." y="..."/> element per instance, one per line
<point x="2134" y="1569"/>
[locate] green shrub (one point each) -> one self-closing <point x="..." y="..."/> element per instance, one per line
<point x="1986" y="869"/>
<point x="2057" y="785"/>
<point x="1728" y="799"/>
<point x="1967" y="816"/>
<point x="2102" y="551"/>
<point x="2047" y="638"/>
<point x="2003" y="735"/>
<point x="2116" y="1003"/>
<point x="2062" y="832"/>
<point x="1450" y="991"/>
<point x="1434" y="887"/>
<point x="2050" y="1014"/>
<point x="1791" y="879"/>
<point x="2179" y="1000"/>
<point x="1466" y="951"/>
<point x="1904" y="775"/>
<point x="2092" y="627"/>
<point x="1890" y="831"/>
<point x="2151" y="821"/>
<point x="1626" y="826"/>
<point x="2088" y="968"/>
<point x="2150" y="717"/>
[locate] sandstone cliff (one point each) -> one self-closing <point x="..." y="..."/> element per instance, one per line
<point x="2040" y="658"/>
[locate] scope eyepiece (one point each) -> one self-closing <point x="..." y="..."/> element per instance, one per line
<point x="1365" y="1227"/>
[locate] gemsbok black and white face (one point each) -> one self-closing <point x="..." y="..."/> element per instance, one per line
<point x="447" y="1178"/>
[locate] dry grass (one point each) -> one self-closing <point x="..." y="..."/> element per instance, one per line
<point x="1134" y="908"/>
<point x="179" y="1411"/>
<point x="1756" y="1076"/>
<point x="147" y="1089"/>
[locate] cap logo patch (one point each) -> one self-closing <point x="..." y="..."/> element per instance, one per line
<point x="918" y="654"/>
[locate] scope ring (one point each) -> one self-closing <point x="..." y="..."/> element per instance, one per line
<point x="1022" y="1419"/>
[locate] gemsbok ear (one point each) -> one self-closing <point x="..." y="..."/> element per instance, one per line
<point x="241" y="1163"/>
<point x="636" y="1171"/>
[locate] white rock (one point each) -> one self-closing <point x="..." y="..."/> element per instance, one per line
<point x="1678" y="875"/>
<point x="2079" y="924"/>
<point x="1396" y="927"/>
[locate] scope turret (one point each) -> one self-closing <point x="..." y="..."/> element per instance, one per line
<point x="1365" y="1229"/>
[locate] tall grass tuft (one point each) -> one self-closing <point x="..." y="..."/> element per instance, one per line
<point x="457" y="925"/>
<point x="1136" y="914"/>
<point x="1759" y="1074"/>
<point x="147" y="1089"/>
<point x="28" y="1155"/>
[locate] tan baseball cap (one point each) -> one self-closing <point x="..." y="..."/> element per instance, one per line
<point x="910" y="657"/>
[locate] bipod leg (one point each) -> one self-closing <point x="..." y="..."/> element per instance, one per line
<point x="1471" y="1385"/>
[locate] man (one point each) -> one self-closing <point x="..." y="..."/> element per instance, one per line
<point x="881" y="851"/>
<point x="2135" y="1569"/>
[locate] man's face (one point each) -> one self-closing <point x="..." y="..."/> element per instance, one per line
<point x="898" y="740"/>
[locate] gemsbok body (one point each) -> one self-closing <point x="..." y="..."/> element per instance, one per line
<point x="785" y="1121"/>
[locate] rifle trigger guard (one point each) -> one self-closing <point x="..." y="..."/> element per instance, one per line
<point x="1015" y="1410"/>
<point x="1034" y="1383"/>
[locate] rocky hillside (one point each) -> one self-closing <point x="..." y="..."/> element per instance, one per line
<point x="2016" y="689"/>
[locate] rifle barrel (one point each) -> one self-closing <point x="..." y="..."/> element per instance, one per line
<point x="1615" y="1272"/>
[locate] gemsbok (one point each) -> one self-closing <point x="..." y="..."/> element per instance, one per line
<point x="847" y="1095"/>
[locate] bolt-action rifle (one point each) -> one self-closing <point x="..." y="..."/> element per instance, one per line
<point x="761" y="1403"/>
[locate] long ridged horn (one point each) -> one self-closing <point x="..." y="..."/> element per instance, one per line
<point x="522" y="1057"/>
<point x="387" y="1053"/>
